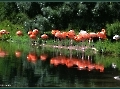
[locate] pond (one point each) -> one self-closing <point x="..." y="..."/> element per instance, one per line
<point x="23" y="65"/>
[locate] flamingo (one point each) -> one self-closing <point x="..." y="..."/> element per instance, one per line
<point x="53" y="32"/>
<point x="92" y="36"/>
<point x="33" y="35"/>
<point x="44" y="37"/>
<point x="19" y="33"/>
<point x="30" y="32"/>
<point x="63" y="34"/>
<point x="35" y="31"/>
<point x="58" y="35"/>
<point x="102" y="34"/>
<point x="83" y="35"/>
<point x="77" y="38"/>
<point x="3" y="31"/>
<point x="71" y="35"/>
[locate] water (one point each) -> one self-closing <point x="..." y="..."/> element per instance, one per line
<point x="48" y="67"/>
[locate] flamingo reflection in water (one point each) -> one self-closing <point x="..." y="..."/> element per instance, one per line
<point x="43" y="56"/>
<point x="18" y="53"/>
<point x="81" y="64"/>
<point x="3" y="53"/>
<point x="32" y="57"/>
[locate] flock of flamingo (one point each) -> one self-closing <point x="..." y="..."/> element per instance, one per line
<point x="82" y="36"/>
<point x="62" y="35"/>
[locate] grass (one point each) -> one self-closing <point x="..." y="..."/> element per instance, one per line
<point x="106" y="47"/>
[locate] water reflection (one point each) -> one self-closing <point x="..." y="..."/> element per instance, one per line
<point x="32" y="57"/>
<point x="45" y="67"/>
<point x="3" y="53"/>
<point x="80" y="63"/>
<point x="18" y="53"/>
<point x="43" y="57"/>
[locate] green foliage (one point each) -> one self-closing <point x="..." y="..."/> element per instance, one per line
<point x="39" y="22"/>
<point x="2" y="11"/>
<point x="108" y="48"/>
<point x="12" y="28"/>
<point x="60" y="15"/>
<point x="113" y="29"/>
<point x="20" y="18"/>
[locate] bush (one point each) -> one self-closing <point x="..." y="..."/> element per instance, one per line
<point x="113" y="29"/>
<point x="12" y="28"/>
<point x="20" y="18"/>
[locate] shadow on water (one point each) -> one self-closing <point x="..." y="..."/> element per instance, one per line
<point x="27" y="66"/>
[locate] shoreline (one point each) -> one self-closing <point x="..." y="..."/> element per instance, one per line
<point x="77" y="48"/>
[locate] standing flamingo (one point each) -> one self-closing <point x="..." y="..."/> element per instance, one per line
<point x="33" y="36"/>
<point x="92" y="36"/>
<point x="53" y="32"/>
<point x="58" y="35"/>
<point x="64" y="35"/>
<point x="29" y="32"/>
<point x="102" y="34"/>
<point x="44" y="37"/>
<point x="70" y="35"/>
<point x="19" y="33"/>
<point x="36" y="31"/>
<point x="5" y="34"/>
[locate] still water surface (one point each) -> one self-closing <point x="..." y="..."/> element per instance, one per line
<point x="49" y="67"/>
